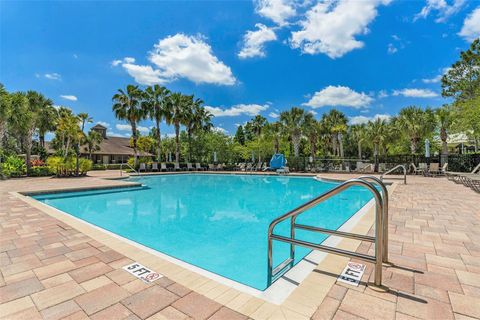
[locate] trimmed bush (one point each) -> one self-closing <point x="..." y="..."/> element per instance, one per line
<point x="13" y="167"/>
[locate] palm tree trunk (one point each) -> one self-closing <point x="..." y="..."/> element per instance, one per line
<point x="359" y="146"/>
<point x="134" y="136"/>
<point x="159" y="142"/>
<point x="28" y="151"/>
<point x="277" y="145"/>
<point x="296" y="145"/>
<point x="77" y="157"/>
<point x="41" y="139"/>
<point x="413" y="146"/>
<point x="375" y="156"/>
<point x="340" y="145"/>
<point x="177" y="143"/>
<point x="189" y="145"/>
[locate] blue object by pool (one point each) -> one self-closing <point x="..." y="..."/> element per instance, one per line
<point x="216" y="222"/>
<point x="278" y="161"/>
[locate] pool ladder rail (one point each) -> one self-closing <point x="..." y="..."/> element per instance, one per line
<point x="380" y="239"/>
<point x="392" y="170"/>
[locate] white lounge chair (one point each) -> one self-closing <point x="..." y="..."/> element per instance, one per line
<point x="163" y="166"/>
<point x="155" y="166"/>
<point x="199" y="167"/>
<point x="142" y="167"/>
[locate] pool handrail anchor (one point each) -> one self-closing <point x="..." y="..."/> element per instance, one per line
<point x="392" y="170"/>
<point x="128" y="165"/>
<point x="378" y="239"/>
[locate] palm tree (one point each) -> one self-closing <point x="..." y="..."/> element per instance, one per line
<point x="416" y="124"/>
<point x="197" y="119"/>
<point x="336" y="121"/>
<point x="176" y="115"/>
<point x="293" y="123"/>
<point x="155" y="103"/>
<point x="359" y="134"/>
<point x="84" y="118"/>
<point x="274" y="131"/>
<point x="47" y="119"/>
<point x="443" y="116"/>
<point x="5" y="112"/>
<point x="377" y="133"/>
<point x="312" y="131"/>
<point x="257" y="124"/>
<point x="128" y="106"/>
<point x="92" y="142"/>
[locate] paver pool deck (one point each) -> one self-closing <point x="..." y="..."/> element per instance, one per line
<point x="52" y="267"/>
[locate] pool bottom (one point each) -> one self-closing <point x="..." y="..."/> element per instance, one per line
<point x="277" y="293"/>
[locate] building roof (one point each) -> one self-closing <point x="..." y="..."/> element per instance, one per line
<point x="99" y="126"/>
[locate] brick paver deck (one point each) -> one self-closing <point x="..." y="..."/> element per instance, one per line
<point x="50" y="270"/>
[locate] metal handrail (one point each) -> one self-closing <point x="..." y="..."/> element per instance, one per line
<point x="395" y="168"/>
<point x="378" y="239"/>
<point x="121" y="169"/>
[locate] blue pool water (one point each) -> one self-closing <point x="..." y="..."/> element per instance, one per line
<point x="216" y="222"/>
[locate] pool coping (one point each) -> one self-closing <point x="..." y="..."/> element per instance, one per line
<point x="302" y="299"/>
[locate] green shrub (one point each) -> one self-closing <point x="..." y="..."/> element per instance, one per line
<point x="84" y="165"/>
<point x="40" y="171"/>
<point x="13" y="166"/>
<point x="56" y="165"/>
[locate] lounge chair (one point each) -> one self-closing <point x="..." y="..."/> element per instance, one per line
<point x="367" y="168"/>
<point x="190" y="167"/>
<point x="142" y="167"/>
<point x="434" y="169"/>
<point x="177" y="167"/>
<point x="155" y="166"/>
<point x="451" y="175"/>
<point x="198" y="167"/>
<point x="163" y="166"/>
<point x="220" y="167"/>
<point x="421" y="169"/>
<point x="249" y="167"/>
<point x="211" y="167"/>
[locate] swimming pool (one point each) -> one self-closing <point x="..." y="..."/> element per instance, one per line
<point x="215" y="222"/>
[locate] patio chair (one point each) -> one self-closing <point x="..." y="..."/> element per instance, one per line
<point x="190" y="167"/>
<point x="451" y="175"/>
<point x="142" y="167"/>
<point x="220" y="167"/>
<point x="434" y="169"/>
<point x="211" y="167"/>
<point x="163" y="166"/>
<point x="198" y="167"/>
<point x="177" y="167"/>
<point x="422" y="167"/>
<point x="155" y="166"/>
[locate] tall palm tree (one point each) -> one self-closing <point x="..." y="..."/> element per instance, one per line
<point x="377" y="133"/>
<point x="293" y="122"/>
<point x="337" y="123"/>
<point x="128" y="106"/>
<point x="443" y="117"/>
<point x="155" y="103"/>
<point x="35" y="103"/>
<point x="257" y="124"/>
<point x="47" y="119"/>
<point x="415" y="124"/>
<point x="84" y="118"/>
<point x="312" y="131"/>
<point x="177" y="115"/>
<point x="274" y="131"/>
<point x="359" y="135"/>
<point x="197" y="119"/>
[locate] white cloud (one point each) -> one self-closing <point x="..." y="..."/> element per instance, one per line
<point x="279" y="11"/>
<point x="53" y="76"/>
<point x="331" y="26"/>
<point x="145" y="75"/>
<point x="339" y="96"/>
<point x="273" y="115"/>
<point x="443" y="9"/>
<point x="237" y="110"/>
<point x="103" y="123"/>
<point x="179" y="56"/>
<point x="127" y="127"/>
<point x="391" y="49"/>
<point x="254" y="41"/>
<point x="364" y="119"/>
<point x="117" y="134"/>
<point x="415" y="93"/>
<point x="69" y="97"/>
<point x="471" y="26"/>
<point x="220" y="130"/>
<point x="382" y="94"/>
<point x="182" y="56"/>
<point x="437" y="78"/>
<point x="313" y="112"/>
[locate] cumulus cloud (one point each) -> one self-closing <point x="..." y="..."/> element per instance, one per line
<point x="273" y="115"/>
<point x="415" y="93"/>
<point x="103" y="123"/>
<point x="437" y="78"/>
<point x="69" y="97"/>
<point x="331" y="26"/>
<point x="471" y="26"/>
<point x="237" y="110"/>
<point x="219" y="130"/>
<point x="364" y="119"/>
<point x="179" y="56"/>
<point x="339" y="96"/>
<point x="391" y="49"/>
<point x="443" y="9"/>
<point x="53" y="76"/>
<point x="279" y="11"/>
<point x="254" y="41"/>
<point x="127" y="127"/>
<point x="382" y="94"/>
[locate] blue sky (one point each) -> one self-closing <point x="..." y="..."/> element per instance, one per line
<point x="366" y="58"/>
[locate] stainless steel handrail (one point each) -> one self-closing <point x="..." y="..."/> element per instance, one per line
<point x="121" y="169"/>
<point x="385" y="212"/>
<point x="395" y="168"/>
<point x="378" y="239"/>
